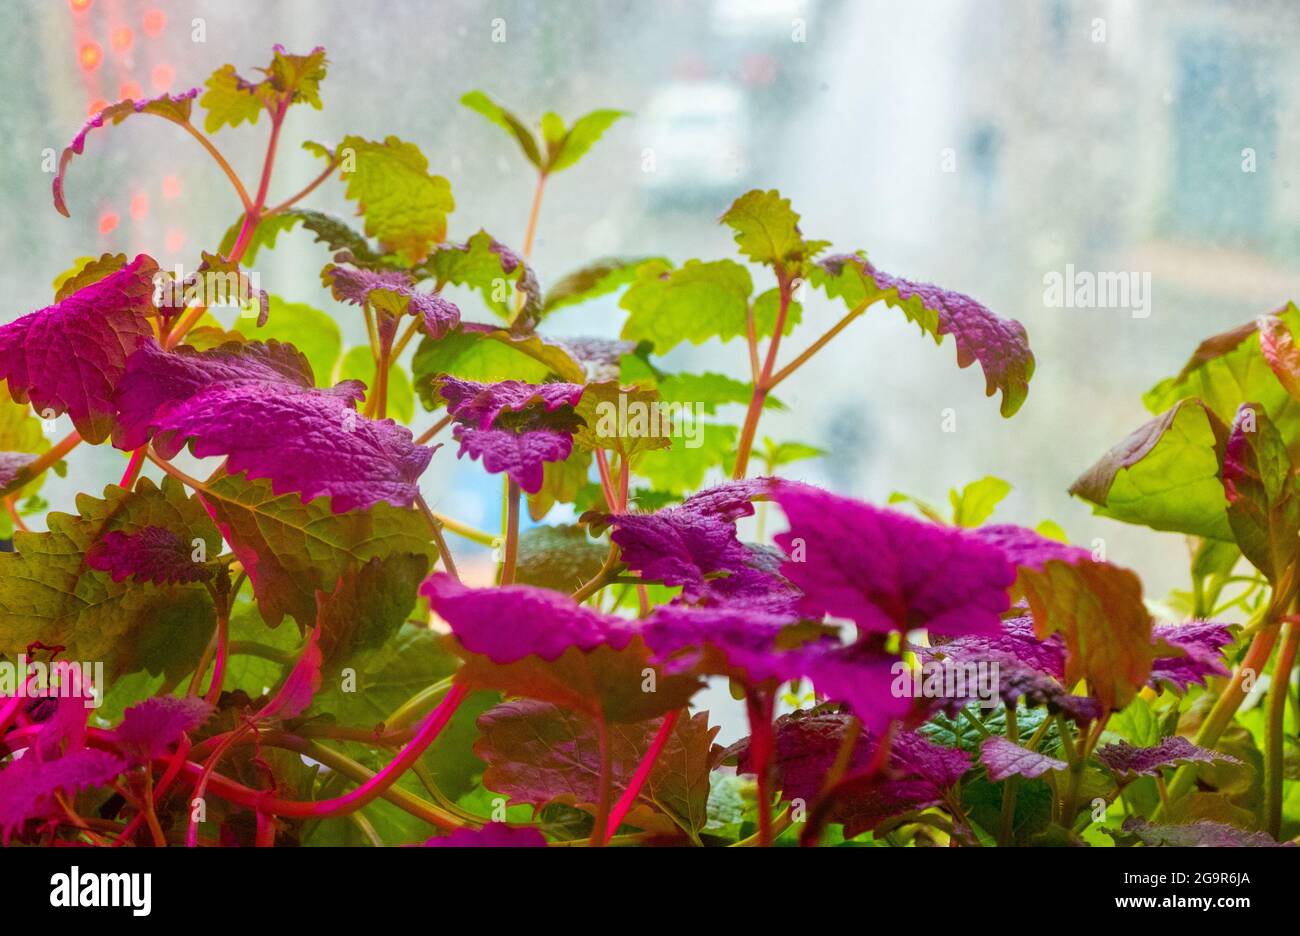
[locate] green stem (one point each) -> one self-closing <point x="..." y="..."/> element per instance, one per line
<point x="1006" y="828"/>
<point x="1274" y="752"/>
<point x="511" y="555"/>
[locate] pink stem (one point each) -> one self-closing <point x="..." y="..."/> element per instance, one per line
<point x="373" y="788"/>
<point x="133" y="468"/>
<point x="219" y="666"/>
<point x="626" y="801"/>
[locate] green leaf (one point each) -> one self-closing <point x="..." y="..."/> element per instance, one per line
<point x="1229" y="369"/>
<point x="359" y="364"/>
<point x="767" y="229"/>
<point x="1165" y="475"/>
<point x="86" y="271"/>
<point x="594" y="280"/>
<point x="708" y="391"/>
<point x="330" y="231"/>
<point x="292" y="549"/>
<point x="480" y="264"/>
<point x="1260" y="483"/>
<point x="368" y="607"/>
<point x="776" y="454"/>
<point x="682" y="469"/>
<point x="580" y="138"/>
<point x="480" y="103"/>
<point x="312" y="332"/>
<point x="405" y="207"/>
<point x="49" y="594"/>
<point x="977" y="500"/>
<point x="469" y="356"/>
<point x="694" y="303"/>
<point x="558" y="557"/>
<point x="231" y="99"/>
<point x="603" y="407"/>
<point x="925" y="508"/>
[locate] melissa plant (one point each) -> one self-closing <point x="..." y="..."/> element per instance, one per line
<point x="292" y="655"/>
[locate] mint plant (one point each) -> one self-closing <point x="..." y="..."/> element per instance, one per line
<point x="285" y="651"/>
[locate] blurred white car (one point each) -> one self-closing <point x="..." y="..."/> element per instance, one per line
<point x="696" y="137"/>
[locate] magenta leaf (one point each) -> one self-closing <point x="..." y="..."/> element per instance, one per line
<point x="1124" y="759"/>
<point x="255" y="404"/>
<point x="726" y="640"/>
<point x="917" y="774"/>
<point x="478" y="405"/>
<point x="151" y="554"/>
<point x="512" y="426"/>
<point x="887" y="571"/>
<point x="517" y="621"/>
<point x="28" y="785"/>
<point x="69" y="357"/>
<point x="492" y="835"/>
<point x="173" y="107"/>
<point x="1005" y="758"/>
<point x="1202" y="646"/>
<point x="521" y="455"/>
<point x="865" y="679"/>
<point x="1000" y="345"/>
<point x="393" y="292"/>
<point x="150" y="729"/>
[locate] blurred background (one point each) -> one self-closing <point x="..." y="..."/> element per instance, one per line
<point x="972" y="144"/>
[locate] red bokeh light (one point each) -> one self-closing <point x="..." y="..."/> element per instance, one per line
<point x="155" y="21"/>
<point x="107" y="221"/>
<point x="171" y="186"/>
<point x="122" y="38"/>
<point x="97" y="105"/>
<point x="79" y="6"/>
<point x="130" y="89"/>
<point x="90" y="55"/>
<point x="162" y="77"/>
<point x="139" y="206"/>
<point x="175" y="239"/>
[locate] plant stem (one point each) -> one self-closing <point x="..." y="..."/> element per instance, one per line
<point x="219" y="667"/>
<point x="411" y="709"/>
<point x="221" y="161"/>
<point x="511" y="554"/>
<point x="424" y="437"/>
<point x="47" y="459"/>
<point x="133" y="468"/>
<point x="311" y="187"/>
<point x="605" y="785"/>
<point x="1006" y="828"/>
<point x="150" y="814"/>
<point x="435" y="530"/>
<point x="643" y="770"/>
<point x="816" y="346"/>
<point x="759" y="707"/>
<point x="533" y="213"/>
<point x="1275" y="750"/>
<point x="372" y="788"/>
<point x="763" y="383"/>
<point x="606" y="481"/>
<point x="601" y="578"/>
<point x="407" y="335"/>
